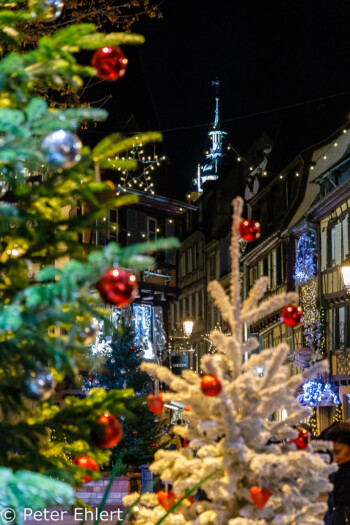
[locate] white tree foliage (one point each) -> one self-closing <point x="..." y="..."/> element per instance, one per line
<point x="232" y="435"/>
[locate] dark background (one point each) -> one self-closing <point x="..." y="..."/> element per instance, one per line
<point x="288" y="60"/>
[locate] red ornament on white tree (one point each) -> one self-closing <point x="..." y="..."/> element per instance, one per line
<point x="210" y="385"/>
<point x="259" y="496"/>
<point x="155" y="403"/>
<point x="249" y="230"/>
<point x="117" y="287"/>
<point x="291" y="315"/>
<point x="166" y="499"/>
<point x="110" y="63"/>
<point x="109" y="432"/>
<point x="88" y="463"/>
<point x="302" y="440"/>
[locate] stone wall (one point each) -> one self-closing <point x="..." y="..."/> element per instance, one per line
<point x="92" y="493"/>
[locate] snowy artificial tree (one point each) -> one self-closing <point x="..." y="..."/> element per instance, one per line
<point x="251" y="469"/>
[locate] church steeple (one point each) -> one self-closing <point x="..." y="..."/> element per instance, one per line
<point x="214" y="157"/>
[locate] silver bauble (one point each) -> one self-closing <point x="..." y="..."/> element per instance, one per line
<point x="61" y="149"/>
<point x="38" y="383"/>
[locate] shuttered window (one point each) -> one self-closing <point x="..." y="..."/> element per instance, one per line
<point x="323" y="250"/>
<point x="337" y="243"/>
<point x="345" y="223"/>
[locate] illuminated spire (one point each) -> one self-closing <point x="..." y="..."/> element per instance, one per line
<point x="215" y="156"/>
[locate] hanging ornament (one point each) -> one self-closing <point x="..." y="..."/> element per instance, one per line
<point x="210" y="385"/>
<point x="38" y="384"/>
<point x="46" y="10"/>
<point x="61" y="149"/>
<point x="86" y="462"/>
<point x="291" y="315"/>
<point x="87" y="334"/>
<point x="110" y="63"/>
<point x="302" y="440"/>
<point x="117" y="287"/>
<point x="109" y="432"/>
<point x="166" y="499"/>
<point x="249" y="230"/>
<point x="133" y="514"/>
<point x="155" y="404"/>
<point x="260" y="497"/>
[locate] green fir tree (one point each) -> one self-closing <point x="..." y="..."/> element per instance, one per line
<point x="50" y="195"/>
<point x="121" y="370"/>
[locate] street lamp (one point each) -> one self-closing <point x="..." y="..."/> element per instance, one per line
<point x="345" y="270"/>
<point x="187" y="325"/>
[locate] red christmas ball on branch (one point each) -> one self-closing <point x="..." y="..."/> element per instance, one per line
<point x="291" y="315"/>
<point x="210" y="385"/>
<point x="117" y="287"/>
<point x="86" y="462"/>
<point x="166" y="499"/>
<point x="249" y="230"/>
<point x="110" y="63"/>
<point x="302" y="440"/>
<point x="260" y="496"/>
<point x="108" y="433"/>
<point x="155" y="404"/>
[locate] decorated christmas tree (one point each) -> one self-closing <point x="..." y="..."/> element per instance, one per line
<point x="120" y="369"/>
<point x="252" y="469"/>
<point x="52" y="286"/>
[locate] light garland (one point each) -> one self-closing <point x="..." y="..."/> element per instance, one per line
<point x="316" y="393"/>
<point x="141" y="179"/>
<point x="338" y="414"/>
<point x="304" y="275"/>
<point x="305" y="266"/>
<point x="312" y="422"/>
<point x="206" y="337"/>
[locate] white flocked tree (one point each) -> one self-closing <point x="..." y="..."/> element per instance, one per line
<point x="254" y="473"/>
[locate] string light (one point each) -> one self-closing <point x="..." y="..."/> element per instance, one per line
<point x="316" y="393"/>
<point x="141" y="177"/>
<point x="338" y="414"/>
<point x="312" y="422"/>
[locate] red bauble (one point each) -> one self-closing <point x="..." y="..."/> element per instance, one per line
<point x="210" y="385"/>
<point x="260" y="497"/>
<point x="155" y="404"/>
<point x="86" y="462"/>
<point x="302" y="440"/>
<point x="166" y="499"/>
<point x="291" y="315"/>
<point x="249" y="230"/>
<point x="117" y="287"/>
<point x="109" y="432"/>
<point x="110" y="63"/>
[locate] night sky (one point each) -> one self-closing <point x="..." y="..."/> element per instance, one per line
<point x="267" y="55"/>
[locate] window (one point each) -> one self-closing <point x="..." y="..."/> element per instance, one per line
<point x="339" y="321"/>
<point x="136" y="226"/>
<point x="200" y="254"/>
<point x="212" y="265"/>
<point x="200" y="304"/>
<point x="333" y="246"/>
<point x="113" y="225"/>
<point x="261" y="268"/>
<point x="194" y="253"/>
<point x="274" y="268"/>
<point x="345" y="232"/>
<point x="189" y="260"/>
<point x="183" y="264"/>
<point x="172" y="315"/>
<point x="151" y="229"/>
